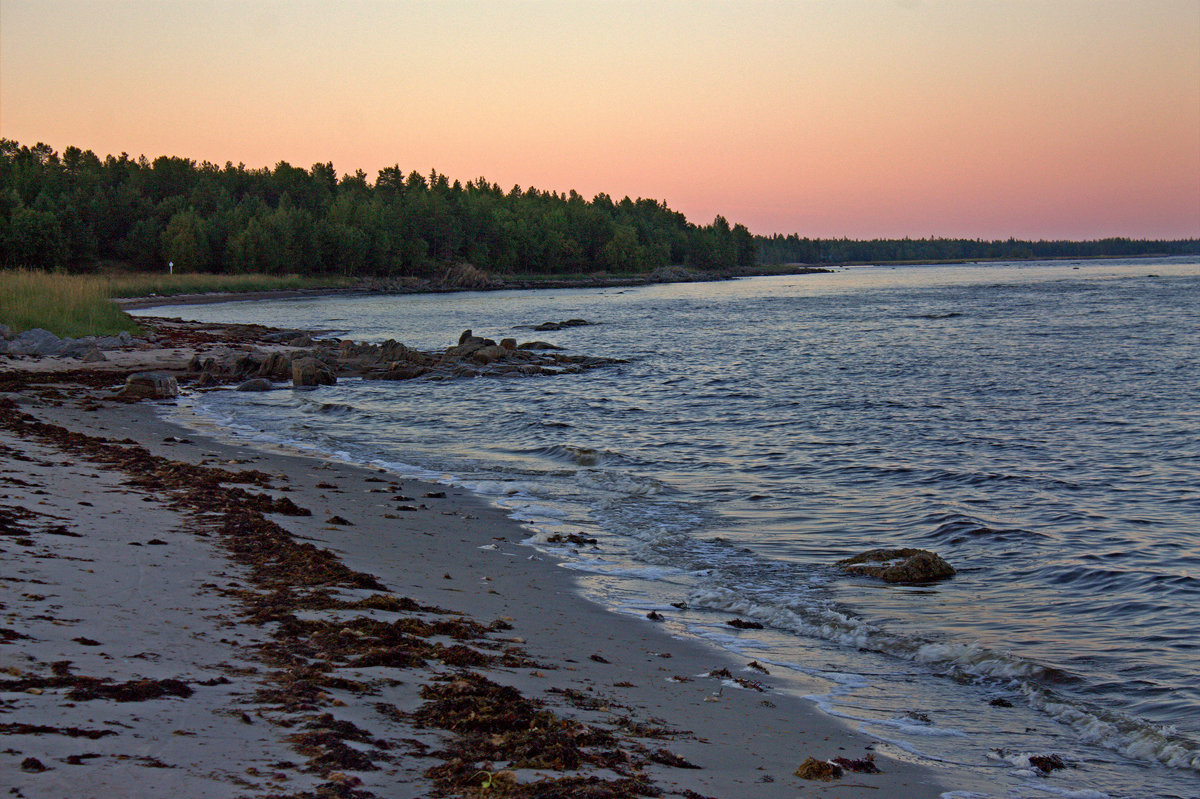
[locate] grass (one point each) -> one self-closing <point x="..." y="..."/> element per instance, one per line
<point x="66" y="305"/>
<point x="140" y="285"/>
<point x="80" y="305"/>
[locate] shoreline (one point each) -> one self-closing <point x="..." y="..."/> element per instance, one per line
<point x="448" y="286"/>
<point x="589" y="667"/>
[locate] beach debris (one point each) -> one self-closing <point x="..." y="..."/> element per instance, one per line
<point x="721" y="673"/>
<point x="339" y="520"/>
<point x="1047" y="763"/>
<point x="754" y="664"/>
<point x="435" y="495"/>
<point x="680" y="605"/>
<point x="669" y="758"/>
<point x="742" y="624"/>
<point x="599" y="658"/>
<point x="752" y="685"/>
<point x="1000" y="702"/>
<point x="864" y="765"/>
<point x="904" y="566"/>
<point x="814" y="769"/>
<point x="33" y="765"/>
<point x="579" y="539"/>
<point x="654" y="615"/>
<point x="88" y="688"/>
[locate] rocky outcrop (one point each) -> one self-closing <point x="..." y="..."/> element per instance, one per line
<point x="309" y="371"/>
<point x="149" y="385"/>
<point x="904" y="566"/>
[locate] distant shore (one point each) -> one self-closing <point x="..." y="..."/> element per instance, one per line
<point x="450" y="282"/>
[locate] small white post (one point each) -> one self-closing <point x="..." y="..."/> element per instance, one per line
<point x="171" y="266"/>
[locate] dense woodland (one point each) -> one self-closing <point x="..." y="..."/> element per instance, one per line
<point x="78" y="212"/>
<point x="779" y="249"/>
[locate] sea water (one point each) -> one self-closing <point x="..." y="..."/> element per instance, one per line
<point x="1037" y="424"/>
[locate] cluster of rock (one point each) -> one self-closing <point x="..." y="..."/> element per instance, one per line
<point x="42" y="343"/>
<point x="325" y="361"/>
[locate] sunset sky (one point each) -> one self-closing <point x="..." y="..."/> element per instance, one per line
<point x="1025" y="118"/>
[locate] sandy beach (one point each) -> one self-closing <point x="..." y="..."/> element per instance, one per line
<point x="182" y="615"/>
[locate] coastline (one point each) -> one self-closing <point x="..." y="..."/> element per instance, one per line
<point x="451" y="282"/>
<point x="651" y="695"/>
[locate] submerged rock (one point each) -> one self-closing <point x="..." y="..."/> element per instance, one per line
<point x="899" y="565"/>
<point x="255" y="384"/>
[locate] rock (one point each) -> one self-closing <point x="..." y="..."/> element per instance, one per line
<point x="488" y="354"/>
<point x="899" y="565"/>
<point x="508" y="343"/>
<point x="5" y="331"/>
<point x="149" y="385"/>
<point x="398" y="371"/>
<point x="93" y="355"/>
<point x="278" y="365"/>
<point x="468" y="344"/>
<point x="309" y="371"/>
<point x="538" y="345"/>
<point x="561" y="325"/>
<point x="194" y="365"/>
<point x="36" y="342"/>
<point x="256" y="384"/>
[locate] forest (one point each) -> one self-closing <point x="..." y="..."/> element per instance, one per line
<point x="77" y="212"/>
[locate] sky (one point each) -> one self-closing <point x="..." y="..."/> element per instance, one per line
<point x="882" y="118"/>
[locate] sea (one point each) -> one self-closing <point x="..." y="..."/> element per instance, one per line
<point x="1037" y="424"/>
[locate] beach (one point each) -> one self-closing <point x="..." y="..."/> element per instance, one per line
<point x="186" y="615"/>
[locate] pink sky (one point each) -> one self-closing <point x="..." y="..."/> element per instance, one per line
<point x="1062" y="119"/>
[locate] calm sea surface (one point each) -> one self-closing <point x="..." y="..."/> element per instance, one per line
<point x="1038" y="425"/>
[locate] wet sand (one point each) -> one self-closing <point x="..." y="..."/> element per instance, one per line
<point x="174" y="622"/>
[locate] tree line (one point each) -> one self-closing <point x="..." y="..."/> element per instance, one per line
<point x="779" y="249"/>
<point x="78" y="212"/>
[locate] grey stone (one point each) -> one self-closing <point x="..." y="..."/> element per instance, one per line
<point x="36" y="342"/>
<point x="5" y="331"/>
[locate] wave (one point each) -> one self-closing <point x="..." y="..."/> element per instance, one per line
<point x="1039" y="684"/>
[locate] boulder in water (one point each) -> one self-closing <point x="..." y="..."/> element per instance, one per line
<point x="905" y="566"/>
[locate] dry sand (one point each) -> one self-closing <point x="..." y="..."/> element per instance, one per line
<point x="296" y="686"/>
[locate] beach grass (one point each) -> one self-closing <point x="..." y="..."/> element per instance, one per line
<point x="66" y="305"/>
<point x="81" y="305"/>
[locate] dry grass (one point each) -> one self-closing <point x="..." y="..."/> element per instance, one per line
<point x="66" y="305"/>
<point x="79" y="305"/>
